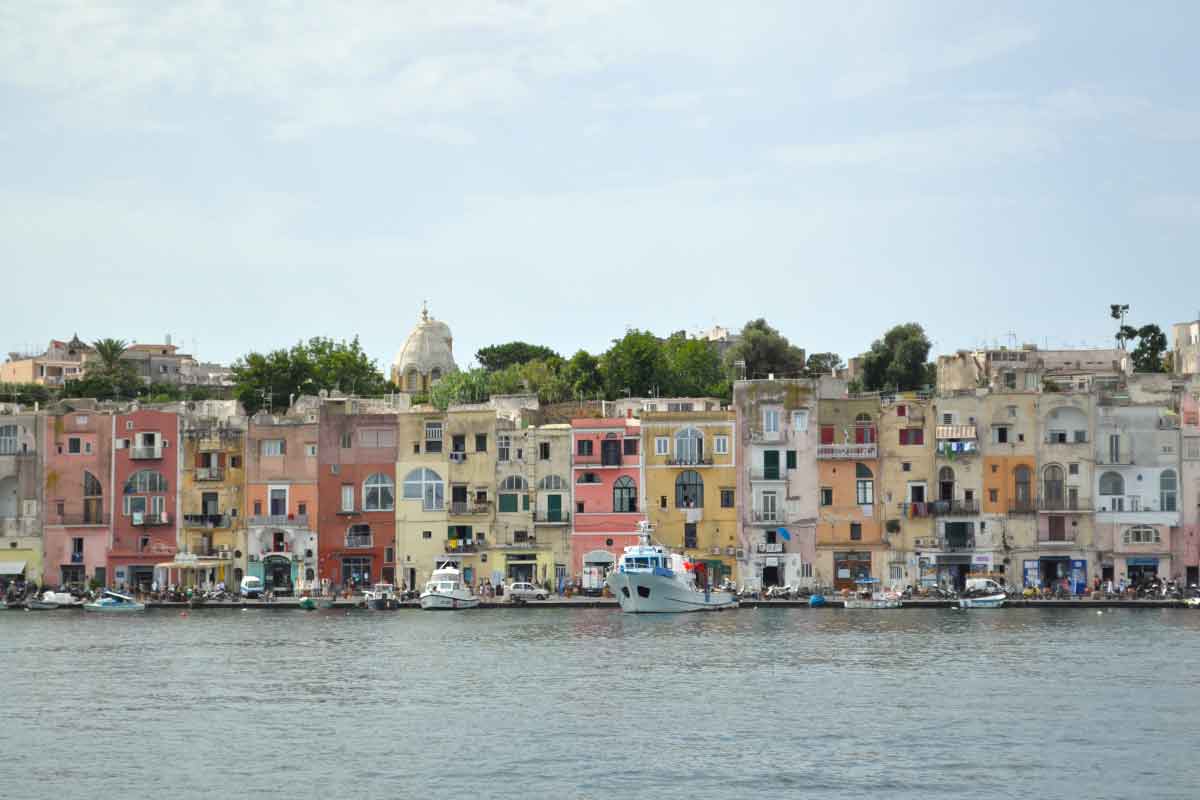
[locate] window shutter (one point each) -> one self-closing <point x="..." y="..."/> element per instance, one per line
<point x="283" y="447"/>
<point x="791" y="459"/>
<point x="524" y="502"/>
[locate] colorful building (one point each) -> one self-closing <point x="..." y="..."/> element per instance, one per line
<point x="549" y="449"/>
<point x="212" y="492"/>
<point x="850" y="542"/>
<point x="281" y="498"/>
<point x="907" y="478"/>
<point x="21" y="507"/>
<point x="146" y="470"/>
<point x="1008" y="510"/>
<point x="423" y="540"/>
<point x="777" y="490"/>
<point x="1185" y="546"/>
<point x="80" y="501"/>
<point x="606" y="480"/>
<point x="955" y="496"/>
<point x="690" y="473"/>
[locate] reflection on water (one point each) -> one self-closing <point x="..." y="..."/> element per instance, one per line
<point x="594" y="703"/>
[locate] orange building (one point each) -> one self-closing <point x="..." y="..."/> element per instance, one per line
<point x="850" y="542"/>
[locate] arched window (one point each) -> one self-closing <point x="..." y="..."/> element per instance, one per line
<point x="1141" y="534"/>
<point x="93" y="499"/>
<point x="1021" y="481"/>
<point x="689" y="490"/>
<point x="412" y="380"/>
<point x="1052" y="486"/>
<point x="552" y="483"/>
<point x="945" y="484"/>
<point x="864" y="488"/>
<point x="625" y="495"/>
<point x="689" y="446"/>
<point x="512" y="488"/>
<point x="1167" y="487"/>
<point x="145" y="481"/>
<point x="1111" y="483"/>
<point x="864" y="429"/>
<point x="91" y="485"/>
<point x="358" y="535"/>
<point x="427" y="486"/>
<point x="379" y="493"/>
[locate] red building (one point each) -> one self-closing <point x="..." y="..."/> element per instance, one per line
<point x="145" y="484"/>
<point x="79" y="499"/>
<point x="606" y="462"/>
<point x="356" y="490"/>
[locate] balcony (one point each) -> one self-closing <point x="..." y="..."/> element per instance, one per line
<point x="956" y="544"/>
<point x="769" y="547"/>
<point x="1065" y="441"/>
<point x="145" y="453"/>
<point x="964" y="433"/>
<point x="1026" y="505"/>
<point x="766" y="517"/>
<point x="760" y="436"/>
<point x="463" y="546"/>
<point x="354" y="541"/>
<point x="462" y="508"/>
<point x="206" y="520"/>
<point x="768" y="474"/>
<point x="915" y="510"/>
<point x="210" y="474"/>
<point x="689" y="462"/>
<point x="458" y="456"/>
<point x="532" y="543"/>
<point x="855" y="452"/>
<point x="950" y="508"/>
<point x="1047" y="539"/>
<point x="1060" y="503"/>
<point x="280" y="520"/>
<point x="150" y="520"/>
<point x="552" y="517"/>
<point x="77" y="519"/>
<point x="76" y="558"/>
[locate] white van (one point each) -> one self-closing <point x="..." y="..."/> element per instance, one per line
<point x="252" y="587"/>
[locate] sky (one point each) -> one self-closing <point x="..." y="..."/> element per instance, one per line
<point x="245" y="175"/>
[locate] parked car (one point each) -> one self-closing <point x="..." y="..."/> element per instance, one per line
<point x="526" y="591"/>
<point x="252" y="587"/>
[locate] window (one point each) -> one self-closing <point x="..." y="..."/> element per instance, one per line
<point x="73" y="445"/>
<point x="1080" y="437"/>
<point x="379" y="493"/>
<point x="481" y="443"/>
<point x="721" y="445"/>
<point x="826" y="434"/>
<point x="727" y="498"/>
<point x="791" y="459"/>
<point x="1111" y="483"/>
<point x="8" y="440"/>
<point x="896" y="572"/>
<point x="503" y="447"/>
<point x="310" y="450"/>
<point x="906" y="466"/>
<point x="1021" y="480"/>
<point x="458" y="443"/>
<point x="587" y="477"/>
<point x="1167" y="486"/>
<point x="864" y="429"/>
<point x="901" y="410"/>
<point x="689" y="535"/>
<point x="272" y="447"/>
<point x="1141" y="534"/>
<point x="624" y="495"/>
<point x="347" y="440"/>
<point x="347" y="497"/>
<point x="544" y="451"/>
<point x="433" y="437"/>
<point x="770" y="420"/>
<point x="1114" y="448"/>
<point x="689" y="490"/>
<point x="912" y="436"/>
<point x="584" y="447"/>
<point x="511" y="488"/>
<point x="994" y="495"/>
<point x="689" y="446"/>
<point x="1012" y="412"/>
<point x="1000" y="434"/>
<point x="864" y="485"/>
<point x="358" y="536"/>
<point x="145" y="481"/>
<point x="1057" y="437"/>
<point x="631" y="447"/>
<point x="662" y="446"/>
<point x="826" y="495"/>
<point x="1073" y="469"/>
<point x="948" y="418"/>
<point x="1057" y="528"/>
<point x="662" y="502"/>
<point x="356" y="571"/>
<point x="426" y="534"/>
<point x="800" y="421"/>
<point x="855" y="531"/>
<point x="427" y="486"/>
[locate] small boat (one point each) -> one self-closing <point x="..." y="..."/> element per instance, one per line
<point x="982" y="593"/>
<point x="869" y="595"/>
<point x="816" y="600"/>
<point x="307" y="603"/>
<point x="650" y="579"/>
<point x="114" y="603"/>
<point x="445" y="590"/>
<point x="381" y="597"/>
<point x="1192" y="602"/>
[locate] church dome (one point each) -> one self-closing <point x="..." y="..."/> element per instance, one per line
<point x="427" y="355"/>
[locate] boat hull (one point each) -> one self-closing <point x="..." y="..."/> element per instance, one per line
<point x="992" y="601"/>
<point x="120" y="608"/>
<point x="646" y="593"/>
<point x="42" y="605"/>
<point x="873" y="603"/>
<point x="437" y="601"/>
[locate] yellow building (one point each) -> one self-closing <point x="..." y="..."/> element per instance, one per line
<point x="907" y="481"/>
<point x="690" y="479"/>
<point x="422" y="498"/>
<point x="212" y="498"/>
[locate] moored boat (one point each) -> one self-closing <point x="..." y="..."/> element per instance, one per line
<point x="650" y="579"/>
<point x="982" y="593"/>
<point x="868" y="594"/>
<point x="446" y="591"/>
<point x="381" y="597"/>
<point x="114" y="603"/>
<point x="306" y="603"/>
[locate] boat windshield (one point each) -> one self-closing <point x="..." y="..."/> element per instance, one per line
<point x="642" y="562"/>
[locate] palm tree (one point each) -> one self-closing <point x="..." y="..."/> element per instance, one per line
<point x="109" y="351"/>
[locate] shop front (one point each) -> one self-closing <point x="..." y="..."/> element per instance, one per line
<point x="849" y="567"/>
<point x="1141" y="569"/>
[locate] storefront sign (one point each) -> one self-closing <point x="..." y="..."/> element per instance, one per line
<point x="1032" y="573"/>
<point x="1141" y="561"/>
<point x="982" y="561"/>
<point x="843" y="574"/>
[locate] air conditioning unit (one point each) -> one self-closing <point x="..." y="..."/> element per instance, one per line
<point x="716" y="551"/>
<point x="728" y="551"/>
<point x="740" y="553"/>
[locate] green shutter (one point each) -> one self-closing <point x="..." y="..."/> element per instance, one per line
<point x="508" y="503"/>
<point x="771" y="465"/>
<point x="791" y="459"/>
<point x="524" y="502"/>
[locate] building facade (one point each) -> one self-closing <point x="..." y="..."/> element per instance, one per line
<point x="145" y="530"/>
<point x="80" y="501"/>
<point x="1185" y="546"/>
<point x="21" y="493"/>
<point x="907" y="484"/>
<point x="608" y="494"/>
<point x="212" y="481"/>
<point x="850" y="543"/>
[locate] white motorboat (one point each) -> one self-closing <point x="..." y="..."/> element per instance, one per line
<point x="381" y="597"/>
<point x="446" y="591"/>
<point x="869" y="595"/>
<point x="650" y="579"/>
<point x="982" y="593"/>
<point x="114" y="603"/>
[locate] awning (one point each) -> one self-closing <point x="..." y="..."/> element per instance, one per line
<point x="210" y="563"/>
<point x="599" y="557"/>
<point x="1140" y="561"/>
<point x="12" y="567"/>
<point x="955" y="432"/>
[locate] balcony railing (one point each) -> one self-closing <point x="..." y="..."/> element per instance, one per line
<point x="915" y="510"/>
<point x="359" y="541"/>
<point x="1141" y="509"/>
<point x="145" y="453"/>
<point x="772" y="517"/>
<point x="207" y="520"/>
<point x="848" y="451"/>
<point x="463" y="546"/>
<point x="760" y="436"/>
<point x="77" y="519"/>
<point x="151" y="519"/>
<point x="947" y="508"/>
<point x="210" y="474"/>
<point x="768" y="474"/>
<point x="769" y="547"/>
<point x="1047" y="539"/>
<point x="528" y="544"/>
<point x="1066" y="441"/>
<point x="690" y="462"/>
<point x="1022" y="506"/>
<point x="76" y="558"/>
<point x="551" y="517"/>
<point x="280" y="520"/>
<point x="1064" y="503"/>
<point x="952" y="544"/>
<point x="467" y="508"/>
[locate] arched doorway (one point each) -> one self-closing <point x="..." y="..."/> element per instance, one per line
<point x="945" y="484"/>
<point x="277" y="574"/>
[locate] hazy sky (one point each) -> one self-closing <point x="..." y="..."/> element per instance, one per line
<point x="243" y="175"/>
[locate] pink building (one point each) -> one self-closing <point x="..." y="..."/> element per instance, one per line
<point x="146" y="478"/>
<point x="79" y="497"/>
<point x="1185" y="546"/>
<point x="606" y="469"/>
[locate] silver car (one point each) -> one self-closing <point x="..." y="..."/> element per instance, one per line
<point x="525" y="591"/>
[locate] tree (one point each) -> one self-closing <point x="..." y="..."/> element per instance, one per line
<point x="270" y="380"/>
<point x="1118" y="311"/>
<point x="24" y="393"/>
<point x="695" y="367"/>
<point x="766" y="351"/>
<point x="819" y="364"/>
<point x="581" y="375"/>
<point x="635" y="366"/>
<point x="1149" y="355"/>
<point x="544" y="378"/>
<point x="465" y="386"/>
<point x="498" y="356"/>
<point x="109" y="376"/>
<point x="506" y="381"/>
<point x="346" y="367"/>
<point x="898" y="360"/>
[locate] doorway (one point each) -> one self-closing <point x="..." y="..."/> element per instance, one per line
<point x="554" y="507"/>
<point x="1193" y="576"/>
<point x="277" y="572"/>
<point x="770" y="576"/>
